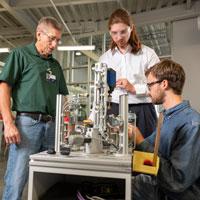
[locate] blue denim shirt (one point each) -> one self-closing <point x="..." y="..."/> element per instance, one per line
<point x="179" y="152"/>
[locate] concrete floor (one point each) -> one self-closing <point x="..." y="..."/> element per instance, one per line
<point x="2" y="172"/>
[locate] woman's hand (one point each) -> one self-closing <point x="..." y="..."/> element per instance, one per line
<point x="125" y="84"/>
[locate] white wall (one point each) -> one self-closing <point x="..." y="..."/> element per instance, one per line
<point x="186" y="51"/>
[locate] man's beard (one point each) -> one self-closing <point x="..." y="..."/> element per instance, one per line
<point x="159" y="100"/>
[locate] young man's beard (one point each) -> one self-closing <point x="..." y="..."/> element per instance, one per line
<point x="159" y="100"/>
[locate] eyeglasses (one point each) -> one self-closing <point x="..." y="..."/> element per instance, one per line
<point x="122" y="33"/>
<point x="51" y="38"/>
<point x="149" y="85"/>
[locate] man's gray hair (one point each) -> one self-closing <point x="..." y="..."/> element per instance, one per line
<point x="48" y="20"/>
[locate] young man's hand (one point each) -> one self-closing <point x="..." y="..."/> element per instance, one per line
<point x="135" y="133"/>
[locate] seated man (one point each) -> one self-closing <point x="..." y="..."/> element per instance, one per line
<point x="178" y="177"/>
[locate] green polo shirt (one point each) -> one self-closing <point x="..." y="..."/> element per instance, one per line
<point x="35" y="80"/>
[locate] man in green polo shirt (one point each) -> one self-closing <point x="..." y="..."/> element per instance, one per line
<point x="33" y="78"/>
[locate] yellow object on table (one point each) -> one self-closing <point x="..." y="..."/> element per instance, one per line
<point x="139" y="165"/>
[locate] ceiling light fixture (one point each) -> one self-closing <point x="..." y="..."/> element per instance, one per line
<point x="1" y="64"/>
<point x="4" y="50"/>
<point x="78" y="53"/>
<point x="76" y="48"/>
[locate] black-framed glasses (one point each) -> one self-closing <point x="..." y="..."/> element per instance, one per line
<point x="149" y="85"/>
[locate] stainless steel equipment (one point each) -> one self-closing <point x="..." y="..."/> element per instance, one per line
<point x="92" y="138"/>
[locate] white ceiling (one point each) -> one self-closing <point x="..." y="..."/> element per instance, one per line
<point x="18" y="18"/>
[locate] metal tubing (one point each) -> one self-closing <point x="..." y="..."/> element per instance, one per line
<point x="58" y="131"/>
<point x="123" y="135"/>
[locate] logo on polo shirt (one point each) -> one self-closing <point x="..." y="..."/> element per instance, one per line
<point x="50" y="76"/>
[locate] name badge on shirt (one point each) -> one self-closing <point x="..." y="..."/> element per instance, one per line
<point x="50" y="76"/>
